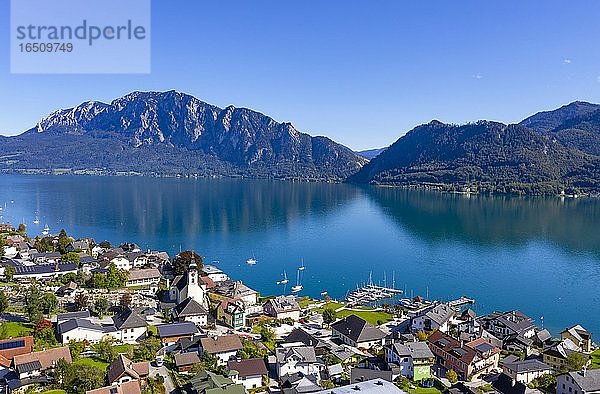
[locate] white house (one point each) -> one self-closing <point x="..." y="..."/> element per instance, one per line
<point x="524" y="371"/>
<point x="437" y="318"/>
<point x="297" y="359"/>
<point x="283" y="307"/>
<point x="580" y="382"/>
<point x="143" y="277"/>
<point x="130" y="327"/>
<point x="190" y="310"/>
<point x="83" y="330"/>
<point x="248" y="372"/>
<point x="215" y="274"/>
<point x="224" y="347"/>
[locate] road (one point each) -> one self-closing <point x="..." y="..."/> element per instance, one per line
<point x="169" y="386"/>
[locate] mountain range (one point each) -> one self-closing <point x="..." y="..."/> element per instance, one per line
<point x="172" y="133"/>
<point x="169" y="133"/>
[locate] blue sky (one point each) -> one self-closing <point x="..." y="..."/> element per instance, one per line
<point x="360" y="72"/>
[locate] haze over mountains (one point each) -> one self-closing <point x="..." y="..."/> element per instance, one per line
<point x="170" y="133"/>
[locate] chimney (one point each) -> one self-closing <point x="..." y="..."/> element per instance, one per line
<point x="583" y="371"/>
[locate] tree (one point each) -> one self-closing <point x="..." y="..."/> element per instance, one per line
<point x="329" y="315"/>
<point x="545" y="383"/>
<point x="115" y="278"/>
<point x="575" y="362"/>
<point x="3" y="301"/>
<point x="9" y="271"/>
<point x="252" y="350"/>
<point x="452" y="376"/>
<point x="326" y="384"/>
<point x="105" y="350"/>
<point x="182" y="261"/>
<point x="49" y="302"/>
<point x="21" y="229"/>
<point x="43" y="245"/>
<point x="81" y="301"/>
<point x="70" y="257"/>
<point x="105" y="244"/>
<point x="83" y="377"/>
<point x="422" y="336"/>
<point x="33" y="304"/>
<point x="63" y="241"/>
<point x="2" y="245"/>
<point x="125" y="300"/>
<point x="101" y="306"/>
<point x="44" y="334"/>
<point x="77" y="347"/>
<point x="147" y="349"/>
<point x="266" y="333"/>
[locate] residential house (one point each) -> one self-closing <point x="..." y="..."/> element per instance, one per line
<point x="210" y="383"/>
<point x="297" y="383"/>
<point x="224" y="347"/>
<point x="297" y="359"/>
<point x="415" y="359"/>
<point x="230" y="290"/>
<point x="437" y="318"/>
<point x="143" y="277"/>
<point x="283" y="307"/>
<point x="123" y="370"/>
<point x="61" y="317"/>
<point x="169" y="334"/>
<point x="131" y="387"/>
<point x="580" y="337"/>
<point x="9" y="348"/>
<point x="357" y="332"/>
<point x="190" y="310"/>
<point x="130" y="326"/>
<point x="467" y="360"/>
<point x="301" y="337"/>
<point x="513" y="328"/>
<point x="214" y="273"/>
<point x="346" y="354"/>
<point x="185" y="361"/>
<point x="35" y="364"/>
<point x="524" y="371"/>
<point x="556" y="354"/>
<point x="580" y="382"/>
<point x="43" y="271"/>
<point x="358" y="375"/>
<point x="84" y="330"/>
<point x="374" y="386"/>
<point x="248" y="372"/>
<point x="232" y="313"/>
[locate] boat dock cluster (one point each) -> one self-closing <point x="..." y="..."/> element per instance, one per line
<point x="371" y="293"/>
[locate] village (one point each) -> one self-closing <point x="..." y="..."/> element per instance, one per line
<point x="84" y="317"/>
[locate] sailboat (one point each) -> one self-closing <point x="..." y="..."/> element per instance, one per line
<point x="284" y="281"/>
<point x="298" y="287"/>
<point x="36" y="220"/>
<point x="46" y="230"/>
<point x="251" y="261"/>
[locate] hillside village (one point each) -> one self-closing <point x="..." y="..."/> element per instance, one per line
<point x="79" y="316"/>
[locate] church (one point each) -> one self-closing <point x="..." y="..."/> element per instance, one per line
<point x="189" y="285"/>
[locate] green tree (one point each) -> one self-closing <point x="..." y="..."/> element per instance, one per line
<point x="70" y="257"/>
<point x="43" y="244"/>
<point x="575" y="362"/>
<point x="9" y="271"/>
<point x="146" y="351"/>
<point x="49" y="302"/>
<point x="422" y="336"/>
<point x="77" y="347"/>
<point x="105" y="350"/>
<point x="2" y="245"/>
<point x="327" y="384"/>
<point x="101" y="306"/>
<point x="21" y="229"/>
<point x="115" y="278"/>
<point x="252" y="350"/>
<point x="105" y="244"/>
<point x="266" y="333"/>
<point x="83" y="377"/>
<point x="329" y="315"/>
<point x="182" y="261"/>
<point x="545" y="383"/>
<point x="452" y="376"/>
<point x="97" y="281"/>
<point x="63" y="241"/>
<point x="33" y="304"/>
<point x="3" y="301"/>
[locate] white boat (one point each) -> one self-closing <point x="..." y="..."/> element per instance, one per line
<point x="36" y="220"/>
<point x="252" y="260"/>
<point x="285" y="280"/>
<point x="46" y="230"/>
<point x="298" y="287"/>
<point x="324" y="293"/>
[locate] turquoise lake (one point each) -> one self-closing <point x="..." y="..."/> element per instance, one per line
<point x="540" y="255"/>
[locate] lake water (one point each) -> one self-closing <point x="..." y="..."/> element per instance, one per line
<point x="540" y="255"/>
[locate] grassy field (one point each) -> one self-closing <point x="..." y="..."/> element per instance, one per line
<point x="372" y="317"/>
<point x="15" y="329"/>
<point x="123" y="348"/>
<point x="54" y="392"/>
<point x="91" y="361"/>
<point x="332" y="305"/>
<point x="424" y="390"/>
<point x="596" y="358"/>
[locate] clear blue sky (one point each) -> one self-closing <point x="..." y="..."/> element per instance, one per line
<point x="360" y="72"/>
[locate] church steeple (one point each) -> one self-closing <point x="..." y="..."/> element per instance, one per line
<point x="193" y="273"/>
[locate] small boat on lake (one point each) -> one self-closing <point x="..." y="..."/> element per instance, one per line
<point x="284" y="281"/>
